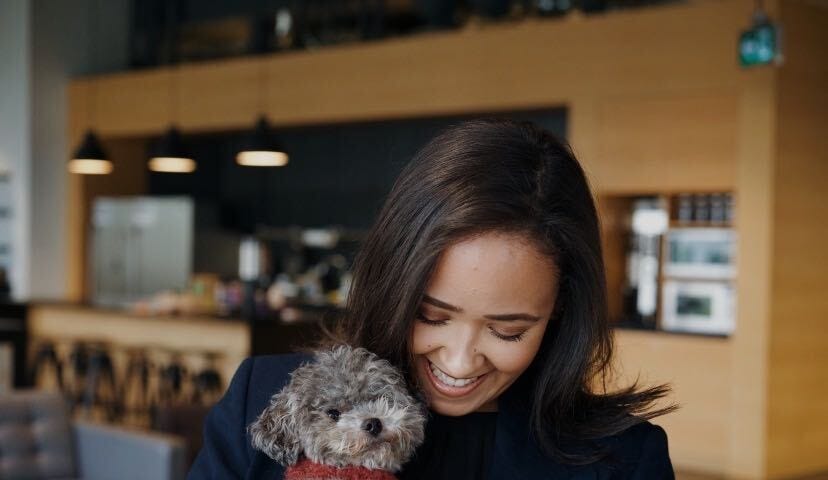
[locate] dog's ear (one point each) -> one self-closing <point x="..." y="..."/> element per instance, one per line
<point x="276" y="431"/>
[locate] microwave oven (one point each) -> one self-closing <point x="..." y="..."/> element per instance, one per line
<point x="694" y="306"/>
<point x="699" y="253"/>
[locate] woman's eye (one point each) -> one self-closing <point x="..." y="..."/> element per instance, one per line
<point x="334" y="414"/>
<point x="508" y="338"/>
<point x="429" y="321"/>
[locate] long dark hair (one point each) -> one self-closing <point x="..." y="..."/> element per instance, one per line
<point x="513" y="177"/>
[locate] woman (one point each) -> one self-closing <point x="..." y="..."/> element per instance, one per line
<point x="482" y="279"/>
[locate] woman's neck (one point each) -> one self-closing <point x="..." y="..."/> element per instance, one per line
<point x="488" y="407"/>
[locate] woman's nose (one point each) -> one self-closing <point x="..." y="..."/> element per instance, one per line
<point x="460" y="354"/>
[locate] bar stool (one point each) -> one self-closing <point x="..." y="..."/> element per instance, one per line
<point x="135" y="395"/>
<point x="78" y="363"/>
<point x="207" y="383"/>
<point x="46" y="366"/>
<point x="172" y="378"/>
<point x="100" y="394"/>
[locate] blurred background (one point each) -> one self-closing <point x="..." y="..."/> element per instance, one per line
<point x="185" y="183"/>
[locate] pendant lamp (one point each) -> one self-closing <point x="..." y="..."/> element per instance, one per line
<point x="89" y="158"/>
<point x="169" y="155"/>
<point x="260" y="148"/>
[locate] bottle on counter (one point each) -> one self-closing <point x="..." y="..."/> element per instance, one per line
<point x="684" y="209"/>
<point x="281" y="292"/>
<point x="220" y="299"/>
<point x="701" y="208"/>
<point x="717" y="209"/>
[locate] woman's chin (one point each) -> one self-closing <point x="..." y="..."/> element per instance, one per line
<point x="456" y="407"/>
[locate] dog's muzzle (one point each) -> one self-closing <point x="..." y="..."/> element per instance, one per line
<point x="373" y="426"/>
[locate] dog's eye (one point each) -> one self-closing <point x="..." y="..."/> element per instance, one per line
<point x="334" y="414"/>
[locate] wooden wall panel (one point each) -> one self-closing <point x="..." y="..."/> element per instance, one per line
<point x="134" y="104"/>
<point x="798" y="362"/>
<point x="699" y="370"/>
<point x="221" y="96"/>
<point x="754" y="224"/>
<point x="676" y="142"/>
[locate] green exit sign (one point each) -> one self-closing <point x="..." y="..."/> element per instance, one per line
<point x="760" y="45"/>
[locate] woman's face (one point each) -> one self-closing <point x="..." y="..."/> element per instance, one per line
<point x="480" y="325"/>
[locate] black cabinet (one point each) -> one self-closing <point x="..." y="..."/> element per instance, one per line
<point x="13" y="336"/>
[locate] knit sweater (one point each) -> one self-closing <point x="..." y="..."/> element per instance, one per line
<point x="305" y="469"/>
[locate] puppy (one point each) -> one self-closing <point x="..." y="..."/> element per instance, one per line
<point x="346" y="415"/>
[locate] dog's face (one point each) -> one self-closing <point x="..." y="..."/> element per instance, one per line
<point x="348" y="408"/>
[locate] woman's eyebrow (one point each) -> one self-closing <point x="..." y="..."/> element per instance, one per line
<point x="502" y="317"/>
<point x="508" y="317"/>
<point x="441" y="304"/>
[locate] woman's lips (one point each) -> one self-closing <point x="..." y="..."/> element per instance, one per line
<point x="450" y="390"/>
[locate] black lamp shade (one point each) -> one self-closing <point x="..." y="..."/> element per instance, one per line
<point x="170" y="155"/>
<point x="260" y="148"/>
<point x="170" y="145"/>
<point x="90" y="158"/>
<point x="90" y="148"/>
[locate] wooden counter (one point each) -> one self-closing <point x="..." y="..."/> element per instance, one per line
<point x="192" y="337"/>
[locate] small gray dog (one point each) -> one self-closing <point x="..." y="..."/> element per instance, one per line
<point x="346" y="415"/>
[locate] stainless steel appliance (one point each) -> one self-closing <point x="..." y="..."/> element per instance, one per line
<point x="140" y="245"/>
<point x="700" y="253"/>
<point x="698" y="269"/>
<point x="698" y="307"/>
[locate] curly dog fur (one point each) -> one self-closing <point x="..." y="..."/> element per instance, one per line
<point x="348" y="408"/>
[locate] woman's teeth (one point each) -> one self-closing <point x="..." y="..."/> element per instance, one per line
<point x="454" y="382"/>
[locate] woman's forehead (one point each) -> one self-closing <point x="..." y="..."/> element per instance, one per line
<point x="494" y="270"/>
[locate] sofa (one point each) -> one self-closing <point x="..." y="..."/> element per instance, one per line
<point x="38" y="440"/>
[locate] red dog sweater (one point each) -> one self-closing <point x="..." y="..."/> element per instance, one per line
<point x="305" y="469"/>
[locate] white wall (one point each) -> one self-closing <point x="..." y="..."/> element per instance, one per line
<point x="15" y="132"/>
<point x="68" y="39"/>
<point x="43" y="44"/>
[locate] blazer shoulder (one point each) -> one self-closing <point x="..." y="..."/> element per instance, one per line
<point x="227" y="451"/>
<point x="643" y="447"/>
<point x="268" y="375"/>
<point x="642" y="430"/>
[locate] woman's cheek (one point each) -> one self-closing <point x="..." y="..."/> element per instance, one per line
<point x="513" y="357"/>
<point x="425" y="338"/>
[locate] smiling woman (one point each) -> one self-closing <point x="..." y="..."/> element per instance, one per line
<point x="482" y="280"/>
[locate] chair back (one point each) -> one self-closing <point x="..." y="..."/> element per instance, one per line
<point x="36" y="439"/>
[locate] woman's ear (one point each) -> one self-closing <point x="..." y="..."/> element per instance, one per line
<point x="276" y="431"/>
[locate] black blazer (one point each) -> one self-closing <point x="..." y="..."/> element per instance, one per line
<point x="640" y="451"/>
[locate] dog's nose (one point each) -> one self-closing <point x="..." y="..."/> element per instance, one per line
<point x="372" y="426"/>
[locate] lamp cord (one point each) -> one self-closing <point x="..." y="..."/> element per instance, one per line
<point x="92" y="84"/>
